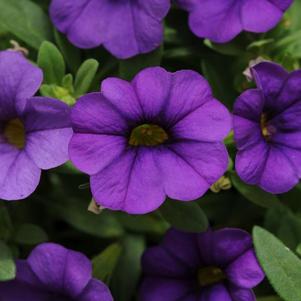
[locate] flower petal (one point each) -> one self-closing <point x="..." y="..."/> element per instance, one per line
<point x="241" y="294"/>
<point x="250" y="105"/>
<point x="131" y="183"/>
<point x="163" y="289"/>
<point x="188" y="91"/>
<point x="123" y="96"/>
<point x="228" y="244"/>
<point x="207" y="19"/>
<point x="19" y="80"/>
<point x="187" y="248"/>
<point x="181" y="180"/>
<point x="62" y="270"/>
<point x="245" y="271"/>
<point x="210" y="122"/>
<point x="260" y="15"/>
<point x="95" y="291"/>
<point x="193" y="160"/>
<point x="215" y="292"/>
<point x="250" y="162"/>
<point x="80" y="20"/>
<point x="94" y="114"/>
<point x="19" y="176"/>
<point x="91" y="152"/>
<point x="269" y="78"/>
<point x="279" y="174"/>
<point x="160" y="262"/>
<point x="91" y="23"/>
<point x="152" y="86"/>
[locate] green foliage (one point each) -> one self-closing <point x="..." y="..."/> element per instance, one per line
<point x="26" y="20"/>
<point x="7" y="264"/>
<point x="253" y="193"/>
<point x="104" y="264"/>
<point x="30" y="234"/>
<point x="281" y="265"/>
<point x="84" y="76"/>
<point x="125" y="279"/>
<point x="185" y="216"/>
<point x="51" y="61"/>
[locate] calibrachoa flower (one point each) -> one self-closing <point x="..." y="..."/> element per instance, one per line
<point x="267" y="129"/>
<point x="222" y="20"/>
<point x="210" y="266"/>
<point x="159" y="135"/>
<point x="52" y="272"/>
<point x="34" y="131"/>
<point x="124" y="27"/>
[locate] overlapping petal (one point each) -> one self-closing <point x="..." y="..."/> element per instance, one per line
<point x="90" y="23"/>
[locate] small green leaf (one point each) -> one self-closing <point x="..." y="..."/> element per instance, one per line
<point x="253" y="193"/>
<point x="30" y="234"/>
<point x="105" y="263"/>
<point x="26" y="20"/>
<point x="127" y="273"/>
<point x="130" y="67"/>
<point x="84" y="76"/>
<point x="7" y="264"/>
<point x="185" y="216"/>
<point x="281" y="265"/>
<point x="52" y="62"/>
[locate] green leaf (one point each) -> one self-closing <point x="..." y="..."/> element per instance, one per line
<point x="253" y="193"/>
<point x="30" y="234"/>
<point x="281" y="265"/>
<point x="7" y="264"/>
<point x="130" y="67"/>
<point x="148" y="223"/>
<point x="105" y="263"/>
<point x="71" y="54"/>
<point x="52" y="62"/>
<point x="185" y="216"/>
<point x="26" y="20"/>
<point x="269" y="298"/>
<point x="76" y="214"/>
<point x="84" y="76"/>
<point x="127" y="273"/>
<point x="285" y="225"/>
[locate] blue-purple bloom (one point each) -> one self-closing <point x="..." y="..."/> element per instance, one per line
<point x="34" y="131"/>
<point x="267" y="129"/>
<point x="124" y="27"/>
<point x="159" y="135"/>
<point x="211" y="266"/>
<point x="54" y="273"/>
<point x="222" y="20"/>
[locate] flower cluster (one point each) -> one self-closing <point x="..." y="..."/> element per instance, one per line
<point x="160" y="135"/>
<point x="129" y="27"/>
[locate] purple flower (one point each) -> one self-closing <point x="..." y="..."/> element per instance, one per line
<point x="211" y="266"/>
<point x="34" y="131"/>
<point x="267" y="129"/>
<point x="222" y="20"/>
<point x="159" y="135"/>
<point x="124" y="27"/>
<point x="52" y="272"/>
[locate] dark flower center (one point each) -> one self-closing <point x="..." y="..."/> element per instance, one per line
<point x="264" y="126"/>
<point x="147" y="135"/>
<point x="14" y="132"/>
<point x="210" y="275"/>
